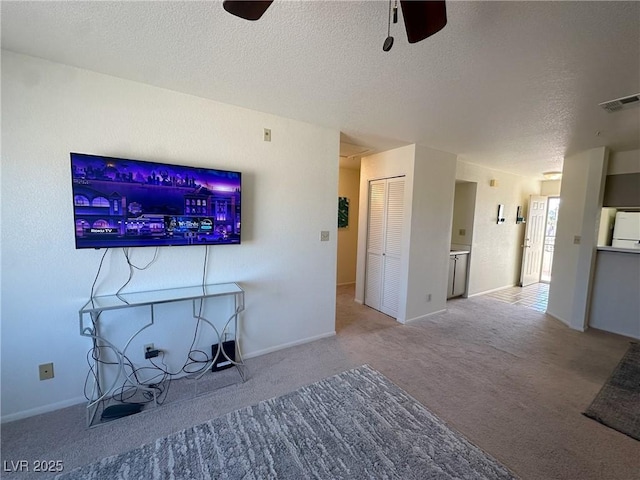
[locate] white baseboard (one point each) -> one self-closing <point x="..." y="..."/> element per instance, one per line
<point x="564" y="322"/>
<point x="44" y="409"/>
<point x="490" y="291"/>
<point x="75" y="401"/>
<point x="258" y="353"/>
<point x="422" y="317"/>
<point x="557" y="318"/>
<point x="616" y="331"/>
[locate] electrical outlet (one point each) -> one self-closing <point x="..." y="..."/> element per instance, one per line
<point x="576" y="239"/>
<point x="150" y="351"/>
<point x="462" y="232"/>
<point x="151" y="354"/>
<point x="46" y="371"/>
<point x="267" y="134"/>
<point x="324" y="236"/>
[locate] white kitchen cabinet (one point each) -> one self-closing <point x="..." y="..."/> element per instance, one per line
<point x="457" y="274"/>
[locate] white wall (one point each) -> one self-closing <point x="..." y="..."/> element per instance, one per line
<point x="550" y="188"/>
<point x="290" y="189"/>
<point x="431" y="218"/>
<point x="392" y="163"/>
<point x="583" y="178"/>
<point x="496" y="254"/>
<point x="464" y="206"/>
<point x="624" y="162"/>
<point x="348" y="186"/>
<point x="429" y="185"/>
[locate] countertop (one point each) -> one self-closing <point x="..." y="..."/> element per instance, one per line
<point x="458" y="252"/>
<point x="619" y="250"/>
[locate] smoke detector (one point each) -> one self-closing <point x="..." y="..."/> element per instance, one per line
<point x="621" y="103"/>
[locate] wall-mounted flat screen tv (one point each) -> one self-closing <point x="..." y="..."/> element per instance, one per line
<point x="119" y="202"/>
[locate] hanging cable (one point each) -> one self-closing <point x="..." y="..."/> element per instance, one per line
<point x="95" y="280"/>
<point x="132" y="266"/>
<point x="204" y="266"/>
<point x="388" y="42"/>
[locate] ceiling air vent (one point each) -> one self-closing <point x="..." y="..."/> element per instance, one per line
<point x="621" y="103"/>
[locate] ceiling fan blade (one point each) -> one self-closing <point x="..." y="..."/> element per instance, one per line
<point x="423" y="18"/>
<point x="249" y="10"/>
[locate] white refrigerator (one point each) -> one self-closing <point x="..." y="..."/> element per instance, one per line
<point x="626" y="230"/>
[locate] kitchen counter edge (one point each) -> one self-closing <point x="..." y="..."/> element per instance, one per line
<point x="619" y="250"/>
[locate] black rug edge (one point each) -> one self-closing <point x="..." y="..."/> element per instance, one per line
<point x="592" y="415"/>
<point x="601" y="422"/>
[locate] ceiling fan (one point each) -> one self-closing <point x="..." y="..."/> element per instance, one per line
<point x="422" y="18"/>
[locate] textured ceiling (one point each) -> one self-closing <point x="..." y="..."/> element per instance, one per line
<point x="511" y="85"/>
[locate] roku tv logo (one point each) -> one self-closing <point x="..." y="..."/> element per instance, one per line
<point x="103" y="230"/>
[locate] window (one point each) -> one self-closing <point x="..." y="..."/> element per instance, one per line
<point x="100" y="202"/>
<point x="81" y="201"/>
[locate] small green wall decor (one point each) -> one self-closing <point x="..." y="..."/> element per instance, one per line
<point x="343" y="212"/>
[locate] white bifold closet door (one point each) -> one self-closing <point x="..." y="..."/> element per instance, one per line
<point x="384" y="244"/>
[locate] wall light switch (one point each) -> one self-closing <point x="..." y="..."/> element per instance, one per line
<point x="576" y="240"/>
<point x="324" y="236"/>
<point x="462" y="232"/>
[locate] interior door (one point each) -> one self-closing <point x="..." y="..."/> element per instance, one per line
<point x="392" y="247"/>
<point x="375" y="244"/>
<point x="384" y="245"/>
<point x="533" y="241"/>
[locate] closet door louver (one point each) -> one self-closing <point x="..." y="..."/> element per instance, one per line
<point x="375" y="244"/>
<point x="384" y="244"/>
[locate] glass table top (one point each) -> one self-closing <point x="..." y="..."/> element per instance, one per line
<point x="133" y="299"/>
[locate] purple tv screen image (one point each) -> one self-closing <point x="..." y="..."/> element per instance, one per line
<point x="133" y="203"/>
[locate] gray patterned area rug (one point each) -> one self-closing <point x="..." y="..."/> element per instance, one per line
<point x="617" y="405"/>
<point x="355" y="425"/>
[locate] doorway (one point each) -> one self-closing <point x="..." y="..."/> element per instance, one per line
<point x="464" y="208"/>
<point x="533" y="241"/>
<point x="540" y="238"/>
<point x="551" y="224"/>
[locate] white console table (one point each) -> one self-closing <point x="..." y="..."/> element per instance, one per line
<point x="90" y="327"/>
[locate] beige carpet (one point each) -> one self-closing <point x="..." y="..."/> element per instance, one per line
<point x="354" y="425"/>
<point x="512" y="380"/>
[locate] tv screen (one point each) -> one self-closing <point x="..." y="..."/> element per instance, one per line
<point x="119" y="202"/>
